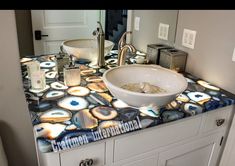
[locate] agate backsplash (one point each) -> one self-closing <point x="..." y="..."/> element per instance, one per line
<point x="67" y="117"/>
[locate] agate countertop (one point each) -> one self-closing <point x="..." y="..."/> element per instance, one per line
<point x="67" y="117"/>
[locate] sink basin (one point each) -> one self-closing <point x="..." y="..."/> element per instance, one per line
<point x="86" y="48"/>
<point x="174" y="83"/>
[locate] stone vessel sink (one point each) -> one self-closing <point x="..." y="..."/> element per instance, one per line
<point x="174" y="83"/>
<point x="86" y="48"/>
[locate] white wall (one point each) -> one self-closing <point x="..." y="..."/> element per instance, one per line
<point x="15" y="124"/>
<point x="148" y="31"/>
<point x="211" y="58"/>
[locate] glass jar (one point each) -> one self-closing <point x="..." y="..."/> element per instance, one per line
<point x="32" y="67"/>
<point x="61" y="62"/>
<point x="72" y="75"/>
<point x="38" y="81"/>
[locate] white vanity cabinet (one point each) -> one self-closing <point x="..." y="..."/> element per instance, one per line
<point x="194" y="141"/>
<point x="73" y="157"/>
<point x="202" y="152"/>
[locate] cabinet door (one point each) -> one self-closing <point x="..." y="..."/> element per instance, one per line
<point x="148" y="161"/>
<point x="203" y="152"/>
<point x="145" y="159"/>
<point x="154" y="138"/>
<point x="228" y="158"/>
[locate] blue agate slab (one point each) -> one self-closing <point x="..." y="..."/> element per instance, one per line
<point x="172" y="115"/>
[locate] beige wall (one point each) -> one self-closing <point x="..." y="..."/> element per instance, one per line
<point x="211" y="59"/>
<point x="15" y="124"/>
<point x="149" y="22"/>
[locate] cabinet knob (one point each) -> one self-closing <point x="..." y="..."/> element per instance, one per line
<point x="219" y="122"/>
<point x="86" y="162"/>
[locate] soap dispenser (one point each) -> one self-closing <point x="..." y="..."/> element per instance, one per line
<point x="72" y="75"/>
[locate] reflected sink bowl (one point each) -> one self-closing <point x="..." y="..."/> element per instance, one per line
<point x="174" y="83"/>
<point x="86" y="48"/>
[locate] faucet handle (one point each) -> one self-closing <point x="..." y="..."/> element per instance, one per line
<point x="99" y="30"/>
<point x="94" y="33"/>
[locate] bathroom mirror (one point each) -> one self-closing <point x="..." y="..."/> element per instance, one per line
<point x="42" y="31"/>
<point x="148" y="30"/>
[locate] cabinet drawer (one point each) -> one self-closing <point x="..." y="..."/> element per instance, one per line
<point x="96" y="152"/>
<point x="151" y="139"/>
<point x="212" y="118"/>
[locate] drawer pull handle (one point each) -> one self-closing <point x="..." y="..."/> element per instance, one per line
<point x="219" y="122"/>
<point x="86" y="162"/>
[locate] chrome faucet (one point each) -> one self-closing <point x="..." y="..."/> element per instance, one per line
<point x="100" y="41"/>
<point x="122" y="53"/>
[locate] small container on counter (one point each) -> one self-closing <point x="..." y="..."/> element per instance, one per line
<point x="61" y="62"/>
<point x="153" y="52"/>
<point x="173" y="59"/>
<point x="38" y="80"/>
<point x="72" y="76"/>
<point x="32" y="67"/>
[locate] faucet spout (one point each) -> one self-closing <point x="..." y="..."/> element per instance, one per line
<point x="100" y="27"/>
<point x="122" y="53"/>
<point x="122" y="40"/>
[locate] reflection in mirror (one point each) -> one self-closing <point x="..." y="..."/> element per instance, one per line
<point x="56" y="26"/>
<point x="43" y="31"/>
<point x="149" y="21"/>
